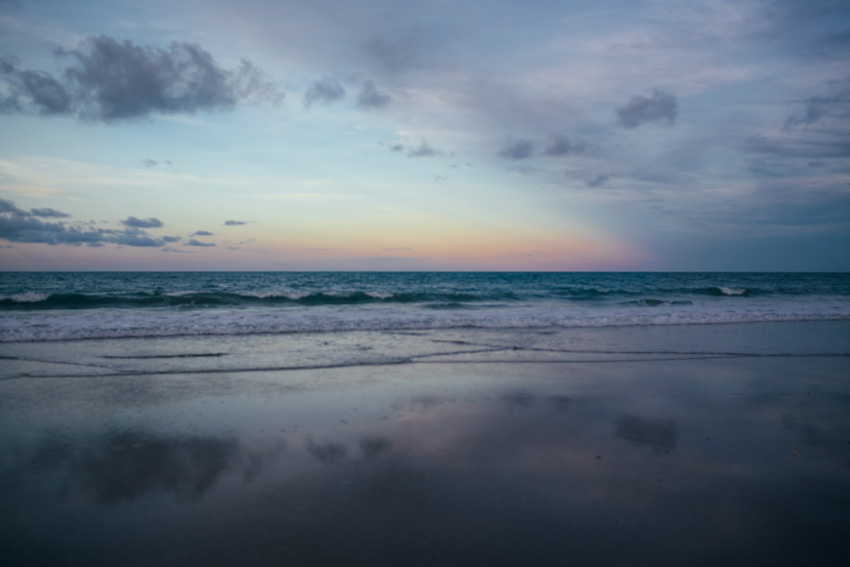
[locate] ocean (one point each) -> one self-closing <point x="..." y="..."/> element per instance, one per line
<point x="424" y="419"/>
<point x="61" y="306"/>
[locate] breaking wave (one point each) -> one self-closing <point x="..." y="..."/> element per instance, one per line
<point x="223" y="299"/>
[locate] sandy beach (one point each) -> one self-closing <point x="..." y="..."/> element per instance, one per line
<point x="677" y="445"/>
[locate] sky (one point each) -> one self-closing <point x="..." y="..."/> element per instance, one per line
<point x="442" y="135"/>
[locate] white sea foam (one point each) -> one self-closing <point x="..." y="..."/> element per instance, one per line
<point x="26" y="297"/>
<point x="117" y="323"/>
<point x="733" y="290"/>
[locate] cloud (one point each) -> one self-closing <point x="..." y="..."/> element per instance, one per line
<point x="597" y="181"/>
<point x="833" y="46"/>
<point x="172" y="238"/>
<point x="371" y="97"/>
<point x="325" y="91"/>
<point x="108" y="80"/>
<point x="234" y="223"/>
<point x="661" y="107"/>
<point x="27" y="228"/>
<point x="17" y="225"/>
<point x="48" y="213"/>
<point x="142" y="223"/>
<point x="150" y="162"/>
<point x="193" y="242"/>
<point x="833" y="103"/>
<point x="517" y="149"/>
<point x="560" y="145"/>
<point x="424" y="149"/>
<point x="811" y="144"/>
<point x="818" y="133"/>
<point x="201" y="233"/>
<point x="135" y="237"/>
<point x="7" y="206"/>
<point x="44" y="93"/>
<point x="393" y="56"/>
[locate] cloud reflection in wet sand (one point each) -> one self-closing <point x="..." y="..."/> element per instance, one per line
<point x="512" y="475"/>
<point x="130" y="465"/>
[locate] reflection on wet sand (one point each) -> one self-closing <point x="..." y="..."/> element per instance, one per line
<point x="126" y="466"/>
<point x="549" y="469"/>
<point x="659" y="434"/>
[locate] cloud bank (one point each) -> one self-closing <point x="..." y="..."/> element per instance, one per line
<point x="661" y="107"/>
<point x="370" y="97"/>
<point x="142" y="223"/>
<point x="324" y="91"/>
<point x="107" y="80"/>
<point x="18" y="225"/>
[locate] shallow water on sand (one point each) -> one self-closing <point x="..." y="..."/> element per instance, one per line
<point x="706" y="445"/>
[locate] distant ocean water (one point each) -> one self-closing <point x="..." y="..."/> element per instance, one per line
<point x="66" y="305"/>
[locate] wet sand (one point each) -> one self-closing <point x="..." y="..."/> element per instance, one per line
<point x="712" y="445"/>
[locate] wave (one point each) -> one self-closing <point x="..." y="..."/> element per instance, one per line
<point x="649" y="302"/>
<point x="438" y="300"/>
<point x="113" y="325"/>
<point x="30" y="301"/>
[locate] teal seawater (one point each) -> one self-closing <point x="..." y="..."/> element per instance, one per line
<point x="68" y="305"/>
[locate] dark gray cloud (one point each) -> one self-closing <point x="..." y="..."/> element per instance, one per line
<point x="45" y="94"/>
<point x="324" y="91"/>
<point x="370" y="97"/>
<point x="150" y="162"/>
<point x="597" y="181"/>
<point x="517" y="149"/>
<point x="135" y="237"/>
<point x="107" y="80"/>
<point x="661" y="107"/>
<point x="201" y="233"/>
<point x="834" y="103"/>
<point x="7" y="206"/>
<point x="832" y="46"/>
<point x="560" y="145"/>
<point x="424" y="149"/>
<point x="193" y="242"/>
<point x="8" y="105"/>
<point x="234" y="223"/>
<point x="142" y="223"/>
<point x="17" y="225"/>
<point x="26" y="228"/>
<point x="394" y="55"/>
<point x="172" y="238"/>
<point x="48" y="213"/>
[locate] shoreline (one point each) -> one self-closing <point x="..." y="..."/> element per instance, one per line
<point x="209" y="354"/>
<point x="463" y="459"/>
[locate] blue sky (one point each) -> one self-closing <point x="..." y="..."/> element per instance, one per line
<point x="446" y="135"/>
